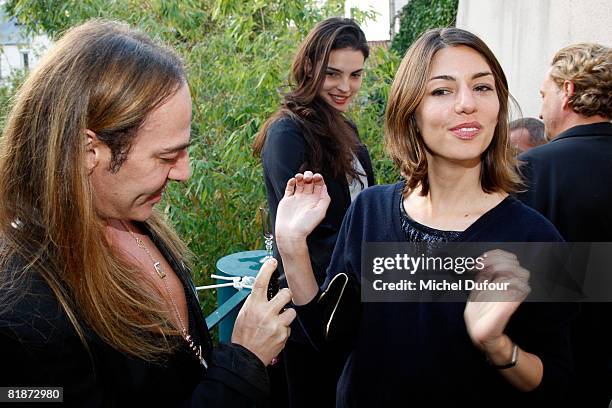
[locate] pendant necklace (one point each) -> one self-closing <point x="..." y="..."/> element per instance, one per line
<point x="197" y="350"/>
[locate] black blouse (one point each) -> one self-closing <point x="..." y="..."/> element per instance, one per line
<point x="416" y="232"/>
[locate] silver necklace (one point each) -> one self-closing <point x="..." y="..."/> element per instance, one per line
<point x="197" y="350"/>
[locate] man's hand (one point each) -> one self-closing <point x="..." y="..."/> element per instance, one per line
<point x="262" y="326"/>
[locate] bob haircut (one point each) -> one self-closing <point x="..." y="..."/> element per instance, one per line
<point x="402" y="138"/>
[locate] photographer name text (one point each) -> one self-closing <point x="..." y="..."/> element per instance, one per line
<point x="438" y="285"/>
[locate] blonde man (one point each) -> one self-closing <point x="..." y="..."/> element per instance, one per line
<point x="568" y="181"/>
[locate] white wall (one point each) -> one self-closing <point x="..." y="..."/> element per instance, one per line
<point x="377" y="29"/>
<point x="13" y="44"/>
<point x="10" y="59"/>
<point x="525" y="34"/>
<point x="11" y="55"/>
<point x="399" y="4"/>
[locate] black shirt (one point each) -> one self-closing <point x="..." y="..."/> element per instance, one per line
<point x="420" y="354"/>
<point x="40" y="347"/>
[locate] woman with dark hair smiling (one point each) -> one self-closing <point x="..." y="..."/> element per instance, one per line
<point x="447" y="130"/>
<point x="310" y="131"/>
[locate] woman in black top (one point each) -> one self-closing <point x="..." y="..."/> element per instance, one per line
<point x="310" y="131"/>
<point x="447" y="129"/>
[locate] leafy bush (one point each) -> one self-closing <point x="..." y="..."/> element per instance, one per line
<point x="7" y="90"/>
<point x="419" y="16"/>
<point x="238" y="55"/>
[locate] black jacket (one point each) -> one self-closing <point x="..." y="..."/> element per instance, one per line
<point x="311" y="376"/>
<point x="39" y="347"/>
<point x="569" y="181"/>
<point x="284" y="153"/>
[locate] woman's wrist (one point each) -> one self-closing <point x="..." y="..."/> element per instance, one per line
<point x="291" y="247"/>
<point x="520" y="368"/>
<point x="499" y="351"/>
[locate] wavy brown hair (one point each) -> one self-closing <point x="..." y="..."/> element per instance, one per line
<point x="105" y="77"/>
<point x="403" y="141"/>
<point x="330" y="138"/>
<point x="589" y="67"/>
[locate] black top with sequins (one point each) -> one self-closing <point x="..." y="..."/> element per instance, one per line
<point x="416" y="232"/>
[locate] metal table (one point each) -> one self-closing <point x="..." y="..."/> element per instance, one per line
<point x="229" y="299"/>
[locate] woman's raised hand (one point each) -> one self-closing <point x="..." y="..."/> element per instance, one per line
<point x="302" y="208"/>
<point x="487" y="312"/>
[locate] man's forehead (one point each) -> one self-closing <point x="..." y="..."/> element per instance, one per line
<point x="548" y="80"/>
<point x="155" y="123"/>
<point x="166" y="128"/>
<point x="177" y="107"/>
<point x="158" y="139"/>
<point x="518" y="132"/>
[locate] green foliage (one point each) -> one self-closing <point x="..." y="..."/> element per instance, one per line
<point x="368" y="111"/>
<point x="238" y="55"/>
<point x="7" y="89"/>
<point x="419" y="16"/>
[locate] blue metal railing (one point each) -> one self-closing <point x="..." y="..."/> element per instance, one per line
<point x="226" y="308"/>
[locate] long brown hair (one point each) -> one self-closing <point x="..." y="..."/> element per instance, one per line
<point x="105" y="77"/>
<point x="403" y="141"/>
<point x="330" y="138"/>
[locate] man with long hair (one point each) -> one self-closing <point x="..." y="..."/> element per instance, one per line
<point x="95" y="294"/>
